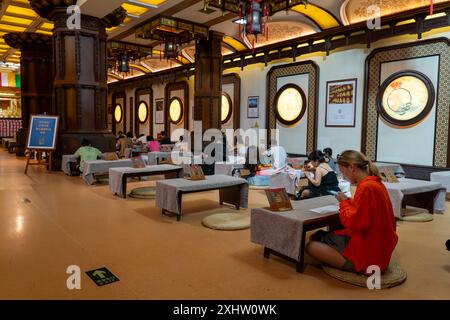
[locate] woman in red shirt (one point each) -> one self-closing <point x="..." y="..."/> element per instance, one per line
<point x="369" y="235"/>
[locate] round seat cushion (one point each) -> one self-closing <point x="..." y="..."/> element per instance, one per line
<point x="227" y="221"/>
<point x="144" y="193"/>
<point x="419" y="217"/>
<point x="393" y="276"/>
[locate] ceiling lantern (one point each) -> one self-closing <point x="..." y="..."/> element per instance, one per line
<point x="253" y="14"/>
<point x="173" y="32"/>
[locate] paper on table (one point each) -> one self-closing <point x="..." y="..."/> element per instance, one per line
<point x="326" y="209"/>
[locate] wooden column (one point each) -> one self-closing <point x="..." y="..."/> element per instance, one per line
<point x="36" y="68"/>
<point x="80" y="83"/>
<point x="208" y="81"/>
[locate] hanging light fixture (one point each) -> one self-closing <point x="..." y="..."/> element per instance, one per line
<point x="124" y="63"/>
<point x="254" y="14"/>
<point x="172" y="32"/>
<point x="121" y="54"/>
<point x="171" y="48"/>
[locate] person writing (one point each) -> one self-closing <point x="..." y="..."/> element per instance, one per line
<point x="86" y="153"/>
<point x="323" y="181"/>
<point x="277" y="155"/>
<point x="369" y="236"/>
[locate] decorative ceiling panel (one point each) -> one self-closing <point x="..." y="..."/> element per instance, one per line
<point x="357" y="10"/>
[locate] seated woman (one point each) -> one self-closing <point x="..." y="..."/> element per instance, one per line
<point x="153" y="145"/>
<point x="369" y="237"/>
<point x="323" y="181"/>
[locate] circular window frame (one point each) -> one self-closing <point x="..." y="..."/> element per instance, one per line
<point x="230" y="103"/>
<point x="426" y="110"/>
<point x="121" y="113"/>
<point x="146" y="114"/>
<point x="180" y="119"/>
<point x="302" y="112"/>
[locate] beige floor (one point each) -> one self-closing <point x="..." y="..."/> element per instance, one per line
<point x="156" y="257"/>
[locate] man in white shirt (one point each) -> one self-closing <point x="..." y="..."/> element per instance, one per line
<point x="142" y="139"/>
<point x="277" y="155"/>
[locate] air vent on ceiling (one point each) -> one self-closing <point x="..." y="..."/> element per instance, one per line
<point x="206" y="10"/>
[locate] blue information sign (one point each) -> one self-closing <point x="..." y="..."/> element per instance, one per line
<point x="42" y="133"/>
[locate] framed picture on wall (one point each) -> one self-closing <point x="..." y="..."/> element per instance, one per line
<point x="253" y="107"/>
<point x="159" y="116"/>
<point x="341" y="103"/>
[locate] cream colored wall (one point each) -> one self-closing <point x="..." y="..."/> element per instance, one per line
<point x="340" y="64"/>
<point x="158" y="93"/>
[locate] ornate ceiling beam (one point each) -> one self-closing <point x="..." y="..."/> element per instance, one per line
<point x="322" y="42"/>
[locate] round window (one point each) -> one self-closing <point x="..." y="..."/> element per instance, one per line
<point x="290" y="104"/>
<point x="405" y="98"/>
<point x="118" y="113"/>
<point x="227" y="110"/>
<point x="176" y="110"/>
<point x="142" y="112"/>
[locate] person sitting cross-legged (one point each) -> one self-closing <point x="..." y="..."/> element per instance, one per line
<point x="369" y="236"/>
<point x="322" y="181"/>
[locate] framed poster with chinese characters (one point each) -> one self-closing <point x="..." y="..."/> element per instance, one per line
<point x="159" y="115"/>
<point x="341" y="103"/>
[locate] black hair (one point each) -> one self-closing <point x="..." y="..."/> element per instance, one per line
<point x="84" y="142"/>
<point x="316" y="156"/>
<point x="181" y="138"/>
<point x="141" y="135"/>
<point x="129" y="135"/>
<point x="150" y="138"/>
<point x="163" y="133"/>
<point x="328" y="151"/>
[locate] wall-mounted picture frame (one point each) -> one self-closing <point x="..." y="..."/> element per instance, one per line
<point x="253" y="107"/>
<point x="406" y="98"/>
<point x="159" y="111"/>
<point x="340" y="103"/>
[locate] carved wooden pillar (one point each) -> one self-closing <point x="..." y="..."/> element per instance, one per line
<point x="80" y="83"/>
<point x="36" y="68"/>
<point x="208" y="81"/>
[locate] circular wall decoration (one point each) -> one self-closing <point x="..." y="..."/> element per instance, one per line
<point x="405" y="98"/>
<point x="175" y="110"/>
<point x="118" y="113"/>
<point x="143" y="112"/>
<point x="227" y="108"/>
<point x="290" y="104"/>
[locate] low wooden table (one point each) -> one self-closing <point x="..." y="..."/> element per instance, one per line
<point x="169" y="193"/>
<point x="417" y="193"/>
<point x="118" y="177"/>
<point x="284" y="233"/>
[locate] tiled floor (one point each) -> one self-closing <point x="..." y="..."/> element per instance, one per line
<point x="65" y="222"/>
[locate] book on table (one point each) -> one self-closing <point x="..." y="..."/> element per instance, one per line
<point x="388" y="175"/>
<point x="278" y="199"/>
<point x="196" y="173"/>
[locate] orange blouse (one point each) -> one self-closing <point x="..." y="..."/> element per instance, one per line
<point x="369" y="221"/>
